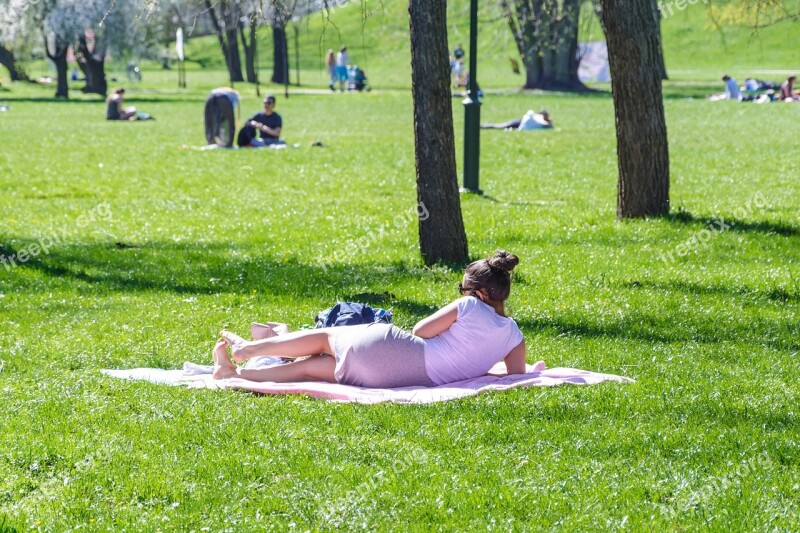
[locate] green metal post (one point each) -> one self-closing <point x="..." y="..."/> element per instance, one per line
<point x="472" y="110"/>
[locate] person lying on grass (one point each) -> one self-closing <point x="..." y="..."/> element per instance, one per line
<point x="460" y="341"/>
<point x="529" y="121"/>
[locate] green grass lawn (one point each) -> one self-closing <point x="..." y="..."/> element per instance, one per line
<point x="153" y="249"/>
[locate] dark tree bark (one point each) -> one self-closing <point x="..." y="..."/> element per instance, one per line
<point x="250" y="51"/>
<point x="441" y="234"/>
<point x="227" y="36"/>
<point x="234" y="58"/>
<point x="598" y="9"/>
<point x="59" y="58"/>
<point x="15" y="70"/>
<point x="546" y="34"/>
<point x="94" y="66"/>
<point x="280" y="55"/>
<point x="642" y="151"/>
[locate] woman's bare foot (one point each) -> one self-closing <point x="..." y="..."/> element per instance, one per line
<point x="238" y="345"/>
<point x="223" y="366"/>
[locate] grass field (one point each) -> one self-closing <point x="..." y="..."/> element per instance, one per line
<point x="152" y="249"/>
<point x="218" y="239"/>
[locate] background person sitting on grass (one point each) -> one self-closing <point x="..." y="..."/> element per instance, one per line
<point x="731" y="90"/>
<point x="115" y="109"/>
<point x="460" y="341"/>
<point x="788" y="94"/>
<point x="268" y="123"/>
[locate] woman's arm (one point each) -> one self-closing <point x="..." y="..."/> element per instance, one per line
<point x="515" y="360"/>
<point x="438" y="322"/>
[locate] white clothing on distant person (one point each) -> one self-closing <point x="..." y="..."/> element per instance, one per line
<point x="478" y="329"/>
<point x="533" y="121"/>
<point x="342" y="59"/>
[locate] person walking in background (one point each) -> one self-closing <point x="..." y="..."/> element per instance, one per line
<point x="330" y="64"/>
<point x="342" y="60"/>
<point x="219" y="118"/>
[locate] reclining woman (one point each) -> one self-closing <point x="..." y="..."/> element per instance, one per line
<point x="460" y="341"/>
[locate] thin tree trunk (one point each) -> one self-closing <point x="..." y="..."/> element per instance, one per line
<point x="441" y="233"/>
<point x="15" y="70"/>
<point x="235" y="66"/>
<point x="642" y="150"/>
<point x="59" y="59"/>
<point x="280" y="55"/>
<point x="250" y="51"/>
<point x="228" y="49"/>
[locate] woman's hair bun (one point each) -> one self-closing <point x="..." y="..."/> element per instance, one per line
<point x="503" y="260"/>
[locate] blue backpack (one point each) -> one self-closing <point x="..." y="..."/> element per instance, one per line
<point x="350" y="314"/>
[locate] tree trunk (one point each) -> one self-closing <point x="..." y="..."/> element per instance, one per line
<point x="235" y="65"/>
<point x="642" y="151"/>
<point x="441" y="232"/>
<point x="280" y="55"/>
<point x="59" y="59"/>
<point x="546" y="34"/>
<point x="95" y="68"/>
<point x="15" y="70"/>
<point x="230" y="50"/>
<point x="250" y="50"/>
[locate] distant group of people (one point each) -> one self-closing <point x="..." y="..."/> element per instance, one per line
<point x="261" y="130"/>
<point x="344" y="74"/>
<point x="758" y="91"/>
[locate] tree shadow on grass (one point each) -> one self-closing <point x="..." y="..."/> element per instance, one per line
<point x="727" y="222"/>
<point x="504" y="202"/>
<point x="659" y="331"/>
<point x="212" y="269"/>
<point x="225" y="269"/>
<point x="776" y="294"/>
